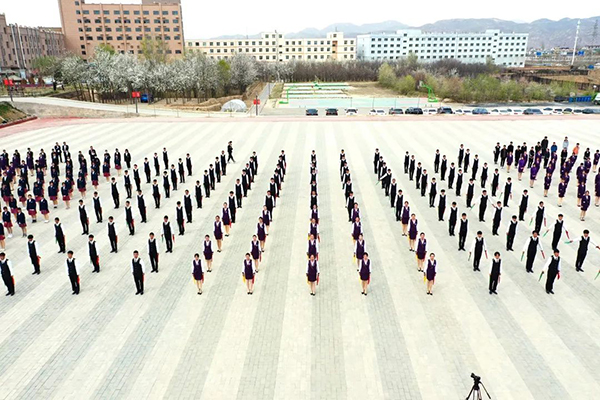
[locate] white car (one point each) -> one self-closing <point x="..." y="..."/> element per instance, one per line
<point x="351" y="111"/>
<point x="505" y="111"/>
<point x="557" y="111"/>
<point x="495" y="111"/>
<point x="517" y="111"/>
<point x="467" y="112"/>
<point x="459" y="112"/>
<point x="429" y="111"/>
<point x="547" y="111"/>
<point x="377" y="111"/>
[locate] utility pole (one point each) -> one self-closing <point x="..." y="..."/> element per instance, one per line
<point x="575" y="45"/>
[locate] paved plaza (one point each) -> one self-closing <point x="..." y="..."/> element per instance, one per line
<point x="282" y="343"/>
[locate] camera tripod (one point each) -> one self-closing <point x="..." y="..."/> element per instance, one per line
<point x="476" y="391"/>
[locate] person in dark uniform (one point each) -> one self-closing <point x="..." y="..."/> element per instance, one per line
<point x="147" y="170"/>
<point x="248" y="273"/>
<point x="376" y="158"/>
<point x="153" y="252"/>
<point x="179" y="218"/>
<point x="181" y="170"/>
<point x="198" y="194"/>
<point x="188" y="164"/>
<point x="174" y="180"/>
<point x="112" y="235"/>
<point x="478" y="248"/>
<point x="442" y="205"/>
<point x="419" y="172"/>
<point x="129" y="218"/>
<point x="238" y="193"/>
<point x="34" y="254"/>
<point x="141" y="203"/>
<point x="156" y="194"/>
<point x="436" y="161"/>
<point x="511" y="232"/>
<point x="187" y="205"/>
<point x="114" y="191"/>
<point x="495" y="272"/>
<point x="364" y="273"/>
<point x="211" y="177"/>
<point x="461" y="155"/>
<point x="93" y="252"/>
<point x="206" y="184"/>
<point x="421" y="251"/>
<point x="432" y="192"/>
<point x="399" y="201"/>
<point x="507" y="191"/>
<point x="71" y="268"/>
<point x="231" y="206"/>
<point x="312" y="274"/>
<point x="255" y="252"/>
<point x="531" y="246"/>
<point x="483" y="202"/>
<point x="138" y="270"/>
<point x="495" y="182"/>
<point x="198" y="272"/>
<point x="559" y="227"/>
<point x="451" y="175"/>
<point x="452" y="219"/>
<point x="430" y="272"/>
<point x="128" y="186"/>
<point x="484" y="175"/>
<point x="97" y="207"/>
<point x="165" y="157"/>
<point x="230" y="152"/>
<point x="552" y="271"/>
<point x="167" y="234"/>
<point x="59" y="235"/>
<point x="411" y="168"/>
<point x="463" y="230"/>
<point x="406" y="162"/>
<point x="350" y="205"/>
<point x="584" y="244"/>
<point x="166" y="184"/>
<point x="497" y="218"/>
<point x="136" y="178"/>
<point x="470" y="192"/>
<point x="523" y="205"/>
<point x="207" y="251"/>
<point x="459" y="181"/>
<point x="83" y="218"/>
<point x="7" y="275"/>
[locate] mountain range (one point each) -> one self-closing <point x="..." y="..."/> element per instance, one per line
<point x="543" y="33"/>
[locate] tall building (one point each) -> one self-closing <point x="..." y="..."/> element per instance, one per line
<point x="507" y="49"/>
<point x="122" y="26"/>
<point x="273" y="46"/>
<point x="20" y="45"/>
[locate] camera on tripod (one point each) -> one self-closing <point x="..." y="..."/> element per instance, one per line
<point x="475" y="390"/>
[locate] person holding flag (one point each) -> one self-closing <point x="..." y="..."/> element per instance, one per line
<point x="478" y="248"/>
<point x="584" y="243"/>
<point x="531" y="246"/>
<point x="552" y="271"/>
<point x="7" y="275"/>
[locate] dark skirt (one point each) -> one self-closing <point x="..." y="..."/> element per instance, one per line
<point x="312" y="274"/>
<point x="199" y="276"/>
<point x="364" y="274"/>
<point x="430" y="274"/>
<point x="218" y="234"/>
<point x="208" y="255"/>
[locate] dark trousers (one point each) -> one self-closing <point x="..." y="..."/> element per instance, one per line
<point x="157" y="201"/>
<point x="451" y="227"/>
<point x="522" y="213"/>
<point x="138" y="186"/>
<point x="154" y="261"/>
<point x="167" y="191"/>
<point x="148" y="177"/>
<point x="113" y="243"/>
<point x="85" y="226"/>
<point x="529" y="264"/>
<point x="461" y="241"/>
<point x="469" y="200"/>
<point x="9" y="282"/>
<point x="232" y="215"/>
<point x="555" y="240"/>
<point x="143" y="214"/>
<point x="482" y="213"/>
<point x="493" y="282"/>
<point x="61" y="244"/>
<point x="431" y="199"/>
<point x="476" y="261"/>
<point x="551" y="276"/>
<point x="239" y="201"/>
<point x="441" y="211"/>
<point x="188" y="214"/>
<point x="95" y="263"/>
<point x="128" y="191"/>
<point x="398" y="214"/>
<point x="36" y="264"/>
<point x="510" y="239"/>
<point x="495" y="226"/>
<point x="98" y="214"/>
<point x="199" y="202"/>
<point x="74" y="283"/>
<point x="131" y="227"/>
<point x="180" y="224"/>
<point x="116" y="201"/>
<point x="169" y="243"/>
<point x="207" y="191"/>
<point x="494" y="189"/>
<point x="139" y="282"/>
<point x="350" y="213"/>
<point x="230" y="157"/>
<point x="580" y="259"/>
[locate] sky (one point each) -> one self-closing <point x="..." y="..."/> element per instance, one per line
<point x="206" y="19"/>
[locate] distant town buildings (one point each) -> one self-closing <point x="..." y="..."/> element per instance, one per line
<point x="20" y="45"/>
<point x="273" y="46"/>
<point x="506" y="49"/>
<point x="122" y="26"/>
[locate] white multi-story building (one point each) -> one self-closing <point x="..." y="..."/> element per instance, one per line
<point x="507" y="49"/>
<point x="273" y="46"/>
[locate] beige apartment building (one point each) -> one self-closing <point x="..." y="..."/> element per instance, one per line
<point x="122" y="26"/>
<point x="20" y="45"/>
<point x="273" y="46"/>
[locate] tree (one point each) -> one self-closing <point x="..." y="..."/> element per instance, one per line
<point x="74" y="71"/>
<point x="47" y="66"/>
<point x="154" y="50"/>
<point x="595" y="33"/>
<point x="107" y="47"/>
<point x="387" y="77"/>
<point x="224" y="75"/>
<point x="243" y="71"/>
<point x="406" y="85"/>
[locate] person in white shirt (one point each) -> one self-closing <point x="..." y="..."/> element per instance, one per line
<point x="495" y="272"/>
<point x="478" y="248"/>
<point x="584" y="243"/>
<point x="71" y="268"/>
<point x="552" y="271"/>
<point x="312" y="274"/>
<point x="138" y="269"/>
<point x="531" y="247"/>
<point x="198" y="272"/>
<point x="7" y="275"/>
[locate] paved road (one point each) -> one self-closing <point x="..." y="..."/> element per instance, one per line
<point x="397" y="343"/>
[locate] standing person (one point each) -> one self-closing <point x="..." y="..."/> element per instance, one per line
<point x="412" y="232"/>
<point x="436" y="161"/>
<point x="218" y="232"/>
<point x="34" y="254"/>
<point x="248" y="273"/>
<point x="398" y="203"/>
<point x="255" y="251"/>
<point x="59" y="235"/>
<point x="127" y="158"/>
<point x="138" y="270"/>
<point x="483" y="202"/>
<point x="187" y="205"/>
<point x="511" y="232"/>
<point x="226" y="218"/>
<point x="129" y="218"/>
<point x="153" y="252"/>
<point x="432" y="192"/>
<point x="451" y="175"/>
<point x="141" y="206"/>
<point x="156" y="193"/>
<point x="312" y="274"/>
<point x="112" y="235"/>
<point x="443" y="168"/>
<point x="32" y="208"/>
<point x="71" y="268"/>
<point x="93" y="252"/>
<point x="430" y="272"/>
<point x="497" y="218"/>
<point x="198" y="272"/>
<point x="495" y="272"/>
<point x="507" y="191"/>
<point x="267" y="218"/>
<point x="421" y="251"/>
<point x="114" y="191"/>
<point x="261" y="233"/>
<point x="97" y="207"/>
<point x="2" y="238"/>
<point x="552" y="271"/>
<point x="198" y="194"/>
<point x="442" y="205"/>
<point x="356" y="230"/>
<point x="405" y="218"/>
<point x="21" y="221"/>
<point x="539" y="217"/>
<point x="312" y="247"/>
<point x="238" y="193"/>
<point x="365" y="272"/>
<point x="559" y="227"/>
<point x="463" y="231"/>
<point x="230" y="152"/>
<point x="478" y="248"/>
<point x="452" y="219"/>
<point x="44" y="209"/>
<point x="188" y="164"/>
<point x="206" y="184"/>
<point x="584" y="244"/>
<point x="179" y="218"/>
<point x="531" y="246"/>
<point x="166" y="185"/>
<point x="7" y="275"/>
<point x="495" y="182"/>
<point x="459" y="182"/>
<point x="156" y="165"/>
<point x="359" y="251"/>
<point x="207" y="251"/>
<point x="585" y="204"/>
<point x="181" y="170"/>
<point x="167" y="234"/>
<point x="127" y="183"/>
<point x="147" y="169"/>
<point x="166" y="157"/>
<point x="83" y="218"/>
<point x="523" y="205"/>
<point x="7" y="221"/>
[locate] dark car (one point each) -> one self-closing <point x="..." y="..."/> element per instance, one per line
<point x="444" y="110"/>
<point x="533" y="111"/>
<point x="395" y="111"/>
<point x="560" y="99"/>
<point x="331" y="111"/>
<point x="480" y="111"/>
<point x="591" y="111"/>
<point x="414" y="110"/>
<point x="146" y="98"/>
<point x="312" y="112"/>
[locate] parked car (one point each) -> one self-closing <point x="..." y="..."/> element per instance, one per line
<point x="577" y="111"/>
<point x="467" y="112"/>
<point x="557" y="111"/>
<point x="495" y="111"/>
<point x="532" y="111"/>
<point x="414" y="110"/>
<point x="444" y="110"/>
<point x="517" y="111"/>
<point x="430" y="111"/>
<point x="331" y="111"/>
<point x="505" y="111"/>
<point x="146" y="98"/>
<point x="591" y="111"/>
<point x="560" y="99"/>
<point x="351" y="111"/>
<point x="547" y="111"/>
<point x="567" y="110"/>
<point x="312" y="112"/>
<point x="377" y="111"/>
<point x="395" y="111"/>
<point x="459" y="111"/>
<point x="480" y="111"/>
